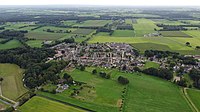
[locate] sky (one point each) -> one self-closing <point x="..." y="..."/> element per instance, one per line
<point x="104" y="2"/>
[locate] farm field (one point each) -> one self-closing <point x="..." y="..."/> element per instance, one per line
<point x="150" y="64"/>
<point x="39" y="104"/>
<point x="35" y="43"/>
<point x="11" y="44"/>
<point x="174" y="34"/>
<point x="83" y="31"/>
<point x="144" y="92"/>
<point x="102" y="34"/>
<point x="144" y="26"/>
<point x="194" y="96"/>
<point x="69" y="23"/>
<point x="123" y="33"/>
<point x="167" y="22"/>
<point x="93" y="23"/>
<point x="167" y="43"/>
<point x="12" y="85"/>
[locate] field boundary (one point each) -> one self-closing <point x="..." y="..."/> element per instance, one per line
<point x="192" y="105"/>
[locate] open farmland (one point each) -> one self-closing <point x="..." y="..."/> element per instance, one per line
<point x="11" y="44"/>
<point x="93" y="23"/>
<point x="123" y="33"/>
<point x="12" y="85"/>
<point x="35" y="43"/>
<point x="167" y="43"/>
<point x="39" y="104"/>
<point x="167" y="22"/>
<point x="144" y="26"/>
<point x="194" y="95"/>
<point x="174" y="34"/>
<point x="83" y="31"/>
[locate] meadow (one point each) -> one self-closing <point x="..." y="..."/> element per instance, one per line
<point x="174" y="34"/>
<point x="150" y="64"/>
<point x="194" y="96"/>
<point x="39" y="104"/>
<point x="123" y="33"/>
<point x="158" y="43"/>
<point x="93" y="23"/>
<point x="11" y="44"/>
<point x="35" y="43"/>
<point x="12" y="85"/>
<point x="83" y="31"/>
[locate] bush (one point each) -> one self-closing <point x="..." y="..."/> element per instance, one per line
<point x="123" y="80"/>
<point x="94" y="71"/>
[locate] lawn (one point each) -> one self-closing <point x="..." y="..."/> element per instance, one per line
<point x="123" y="33"/>
<point x="12" y="85"/>
<point x="144" y="26"/>
<point x="35" y="43"/>
<point x="194" y="96"/>
<point x="11" y="44"/>
<point x="150" y="64"/>
<point x="39" y="104"/>
<point x="93" y="23"/>
<point x="174" y="34"/>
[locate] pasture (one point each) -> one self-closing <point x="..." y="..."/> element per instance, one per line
<point x="158" y="43"/>
<point x="35" y="43"/>
<point x="150" y="64"/>
<point x="11" y="44"/>
<point x="123" y="33"/>
<point x="174" y="34"/>
<point x="144" y="26"/>
<point x="12" y="85"/>
<point x="39" y="104"/>
<point x="93" y="23"/>
<point x="83" y="31"/>
<point x="194" y="96"/>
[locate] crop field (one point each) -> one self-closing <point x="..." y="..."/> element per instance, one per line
<point x="35" y="43"/>
<point x="93" y="23"/>
<point x="69" y="23"/>
<point x="83" y="31"/>
<point x="167" y="22"/>
<point x="194" y="96"/>
<point x="17" y="25"/>
<point x="144" y="26"/>
<point x="44" y="35"/>
<point x="39" y="104"/>
<point x="174" y="34"/>
<point x="11" y="44"/>
<point x="150" y="64"/>
<point x="43" y="29"/>
<point x="165" y="43"/>
<point x="102" y="34"/>
<point x="123" y="33"/>
<point x="12" y="85"/>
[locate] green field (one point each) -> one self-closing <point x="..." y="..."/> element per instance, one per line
<point x="194" y="96"/>
<point x="123" y="33"/>
<point x="102" y="34"/>
<point x="165" y="43"/>
<point x="12" y="85"/>
<point x="93" y="23"/>
<point x="174" y="34"/>
<point x="144" y="26"/>
<point x="150" y="64"/>
<point x="11" y="44"/>
<point x="83" y="31"/>
<point x="146" y="93"/>
<point x="167" y="22"/>
<point x="35" y="43"/>
<point x="39" y="104"/>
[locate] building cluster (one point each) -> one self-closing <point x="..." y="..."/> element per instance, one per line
<point x="109" y="55"/>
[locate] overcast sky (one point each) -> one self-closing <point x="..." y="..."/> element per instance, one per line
<point x="104" y="2"/>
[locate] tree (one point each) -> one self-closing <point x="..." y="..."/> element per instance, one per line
<point x="94" y="71"/>
<point x="123" y="80"/>
<point x="82" y="68"/>
<point x="68" y="78"/>
<point x="1" y="79"/>
<point x="195" y="75"/>
<point x="187" y="43"/>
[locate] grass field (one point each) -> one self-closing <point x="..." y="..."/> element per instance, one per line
<point x="150" y="64"/>
<point x="93" y="23"/>
<point x="143" y="43"/>
<point x="102" y="34"/>
<point x="12" y="85"/>
<point x="35" y="43"/>
<point x="11" y="44"/>
<point x="167" y="22"/>
<point x="146" y="93"/>
<point x="174" y="34"/>
<point x="39" y="104"/>
<point x="83" y="31"/>
<point x="144" y="26"/>
<point x="123" y="33"/>
<point x="194" y="96"/>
